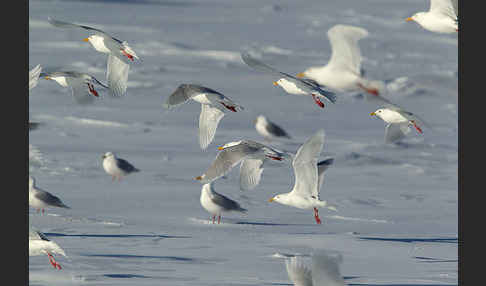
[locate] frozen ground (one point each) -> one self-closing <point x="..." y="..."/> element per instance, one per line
<point x="397" y="204"/>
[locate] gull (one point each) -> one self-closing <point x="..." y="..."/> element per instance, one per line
<point x="34" y="74"/>
<point x="441" y="17"/>
<point x="292" y="84"/>
<point x="268" y="129"/>
<point x="324" y="270"/>
<point x="343" y="71"/>
<point x="39" y="244"/>
<point x="119" y="55"/>
<point x="305" y="194"/>
<point x="216" y="203"/>
<point x="251" y="154"/>
<point x="117" y="167"/>
<point x="398" y="120"/>
<point x="82" y="84"/>
<point x="40" y="199"/>
<point x="213" y="107"/>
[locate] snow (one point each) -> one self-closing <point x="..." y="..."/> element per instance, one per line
<point x="397" y="220"/>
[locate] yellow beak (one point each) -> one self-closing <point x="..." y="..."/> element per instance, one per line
<point x="301" y="74"/>
<point x="409" y="19"/>
<point x="220" y="148"/>
<point x="198" y="178"/>
<point x="372" y="113"/>
<point x="275" y="83"/>
<point x="86" y="39"/>
<point x="47" y="77"/>
<point x="271" y="200"/>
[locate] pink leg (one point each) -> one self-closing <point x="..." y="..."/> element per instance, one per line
<point x="373" y="91"/>
<point x="214" y="217"/>
<point x="42" y="211"/>
<point x="419" y="130"/>
<point x="274" y="158"/>
<point x="53" y="262"/>
<point x="316" y="216"/>
<point x="127" y="55"/>
<point x="219" y="219"/>
<point x="318" y="101"/>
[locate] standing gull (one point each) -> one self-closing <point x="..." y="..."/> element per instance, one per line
<point x="343" y="71"/>
<point x="398" y="120"/>
<point x="39" y="244"/>
<point x="324" y="270"/>
<point x="119" y="55"/>
<point x="252" y="156"/>
<point x="40" y="199"/>
<point x="216" y="203"/>
<point x="213" y="107"/>
<point x="268" y="129"/>
<point x="82" y="84"/>
<point x="117" y="167"/>
<point x="305" y="194"/>
<point x="441" y="17"/>
<point x="292" y="84"/>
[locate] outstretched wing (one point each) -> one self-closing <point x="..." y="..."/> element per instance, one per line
<point x="117" y="75"/>
<point x="305" y="166"/>
<point x="346" y="54"/>
<point x="80" y="91"/>
<point x="34" y="76"/>
<point x="321" y="167"/>
<point x="298" y="272"/>
<point x="325" y="270"/>
<point x="250" y="173"/>
<point x="445" y="7"/>
<point x="208" y="123"/>
<point x="62" y="24"/>
<point x="396" y="131"/>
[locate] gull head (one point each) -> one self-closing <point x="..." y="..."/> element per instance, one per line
<point x="276" y="198"/>
<point x="108" y="155"/>
<point x="417" y="17"/>
<point x="388" y="115"/>
<point x="261" y="119"/>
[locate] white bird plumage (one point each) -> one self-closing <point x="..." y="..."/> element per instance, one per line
<point x="39" y="244"/>
<point x="120" y="55"/>
<point x="213" y="108"/>
<point x="217" y="204"/>
<point x="41" y="199"/>
<point x="442" y="17"/>
<point x="343" y="71"/>
<point x="117" y="167"/>
<point x="34" y="74"/>
<point x="305" y="193"/>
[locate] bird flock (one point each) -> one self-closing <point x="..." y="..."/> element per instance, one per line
<point x="324" y="84"/>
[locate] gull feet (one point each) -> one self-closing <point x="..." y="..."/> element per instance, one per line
<point x="419" y="130"/>
<point x="318" y="101"/>
<point x="316" y="216"/>
<point x="373" y="91"/>
<point x="274" y="158"/>
<point x="232" y="108"/>
<point x="54" y="262"/>
<point x="92" y="90"/>
<point x="130" y="57"/>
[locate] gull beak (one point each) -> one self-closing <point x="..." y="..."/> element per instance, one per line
<point x="409" y="19"/>
<point x="198" y="178"/>
<point x="220" y="148"/>
<point x="271" y="200"/>
<point x="86" y="39"/>
<point x="275" y="83"/>
<point x="372" y="114"/>
<point x="300" y="75"/>
<point x="47" y="77"/>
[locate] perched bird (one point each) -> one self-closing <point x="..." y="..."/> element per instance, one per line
<point x="250" y="154"/>
<point x="305" y="194"/>
<point x="117" y="167"/>
<point x="213" y="107"/>
<point x="39" y="244"/>
<point x="216" y="204"/>
<point x="82" y="84"/>
<point x="40" y="199"/>
<point x="268" y="129"/>
<point x="441" y="17"/>
<point x="324" y="270"/>
<point x="343" y="71"/>
<point x="292" y="84"/>
<point x="398" y="121"/>
<point x="120" y="55"/>
<point x="34" y="74"/>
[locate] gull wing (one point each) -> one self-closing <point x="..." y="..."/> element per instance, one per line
<point x="250" y="173"/>
<point x="346" y="54"/>
<point x="50" y="199"/>
<point x="125" y="165"/>
<point x="325" y="270"/>
<point x="396" y="131"/>
<point x="34" y="76"/>
<point x="445" y="7"/>
<point x="298" y="272"/>
<point x="62" y="24"/>
<point x="80" y="91"/>
<point x="208" y="122"/>
<point x="305" y="166"/>
<point x="321" y="167"/>
<point x="117" y="75"/>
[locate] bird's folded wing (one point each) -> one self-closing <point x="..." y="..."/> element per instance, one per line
<point x="250" y="173"/>
<point x="208" y="122"/>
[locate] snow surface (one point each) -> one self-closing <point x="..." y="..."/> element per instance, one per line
<point x="397" y="219"/>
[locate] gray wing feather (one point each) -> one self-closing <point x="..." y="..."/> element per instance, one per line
<point x="276" y="130"/>
<point x="80" y="92"/>
<point x="34" y="76"/>
<point x="62" y="24"/>
<point x="208" y="123"/>
<point x="117" y="75"/>
<point x="125" y="166"/>
<point x="325" y="270"/>
<point x="226" y="160"/>
<point x="226" y="203"/>
<point x="250" y="173"/>
<point x="321" y="167"/>
<point x="396" y="131"/>
<point x="50" y="199"/>
<point x="298" y="272"/>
